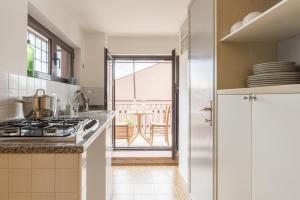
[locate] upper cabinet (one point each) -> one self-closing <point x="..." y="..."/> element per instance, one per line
<point x="277" y="23"/>
<point x="254" y="42"/>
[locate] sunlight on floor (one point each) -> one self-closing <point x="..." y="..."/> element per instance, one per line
<point x="147" y="183"/>
<point x="142" y="154"/>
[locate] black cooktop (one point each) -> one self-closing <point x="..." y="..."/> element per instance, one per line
<point x="46" y="127"/>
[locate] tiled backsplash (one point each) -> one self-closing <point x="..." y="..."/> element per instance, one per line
<point x="13" y="86"/>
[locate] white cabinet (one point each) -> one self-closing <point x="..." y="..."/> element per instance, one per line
<point x="96" y="169"/>
<point x="276" y="145"/>
<point x="234" y="148"/>
<point x="258" y="146"/>
<point x="109" y="149"/>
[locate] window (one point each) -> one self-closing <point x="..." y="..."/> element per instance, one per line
<point x="64" y="62"/>
<point x="53" y="58"/>
<point x="40" y="45"/>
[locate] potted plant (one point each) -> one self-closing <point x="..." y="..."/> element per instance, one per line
<point x="130" y="122"/>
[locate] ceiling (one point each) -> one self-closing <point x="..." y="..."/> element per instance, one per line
<point x="127" y="17"/>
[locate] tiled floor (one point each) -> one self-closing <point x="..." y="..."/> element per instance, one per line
<point x="147" y="183"/>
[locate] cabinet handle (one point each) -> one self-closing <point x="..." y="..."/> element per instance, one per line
<point x="246" y="97"/>
<point x="208" y="109"/>
<point x="252" y="97"/>
<point x="208" y="120"/>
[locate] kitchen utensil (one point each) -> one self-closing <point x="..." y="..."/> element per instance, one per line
<point x="236" y="26"/>
<point x="39" y="105"/>
<point x="251" y="16"/>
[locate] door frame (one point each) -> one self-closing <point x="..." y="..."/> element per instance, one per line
<point x="108" y="56"/>
<point x="175" y="103"/>
<point x="174" y="146"/>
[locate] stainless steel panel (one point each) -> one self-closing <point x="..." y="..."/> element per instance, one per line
<point x="110" y="82"/>
<point x="201" y="16"/>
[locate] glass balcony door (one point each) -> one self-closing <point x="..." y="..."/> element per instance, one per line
<point x="143" y="102"/>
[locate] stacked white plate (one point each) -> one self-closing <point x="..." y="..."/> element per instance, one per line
<point x="274" y="73"/>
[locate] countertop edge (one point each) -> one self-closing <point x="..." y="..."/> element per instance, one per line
<point x="41" y="149"/>
<point x="93" y="137"/>
<point x="55" y="148"/>
<point x="282" y="89"/>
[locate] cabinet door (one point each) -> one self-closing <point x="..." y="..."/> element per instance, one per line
<point x="276" y="137"/>
<point x="109" y="149"/>
<point x="234" y="148"/>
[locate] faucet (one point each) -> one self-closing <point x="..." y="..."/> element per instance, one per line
<point x="85" y="96"/>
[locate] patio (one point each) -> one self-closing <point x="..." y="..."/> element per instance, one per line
<point x="157" y="110"/>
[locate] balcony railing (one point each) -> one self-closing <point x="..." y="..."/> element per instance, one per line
<point x="158" y="107"/>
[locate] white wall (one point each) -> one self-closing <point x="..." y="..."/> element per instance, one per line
<point x="184" y="133"/>
<point x="289" y="50"/>
<point x="138" y="45"/>
<point x="13" y="22"/>
<point x="92" y="75"/>
<point x="57" y="20"/>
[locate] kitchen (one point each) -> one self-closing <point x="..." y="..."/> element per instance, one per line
<point x="238" y="91"/>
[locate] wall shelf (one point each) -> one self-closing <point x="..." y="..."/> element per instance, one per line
<point x="277" y="23"/>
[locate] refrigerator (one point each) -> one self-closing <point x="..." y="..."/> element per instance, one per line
<point x="202" y="68"/>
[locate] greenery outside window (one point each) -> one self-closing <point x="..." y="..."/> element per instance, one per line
<point x="53" y="58"/>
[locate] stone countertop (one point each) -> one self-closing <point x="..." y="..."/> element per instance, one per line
<point x="63" y="147"/>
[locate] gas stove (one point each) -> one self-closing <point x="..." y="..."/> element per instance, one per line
<point x="62" y="129"/>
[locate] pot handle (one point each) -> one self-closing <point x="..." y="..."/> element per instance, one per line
<point x="22" y="101"/>
<point x="38" y="90"/>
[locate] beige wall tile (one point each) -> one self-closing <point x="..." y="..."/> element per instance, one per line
<point x="43" y="180"/>
<point x="3" y="180"/>
<point x="66" y="196"/>
<point x="43" y="161"/>
<point x="67" y="161"/>
<point x="42" y="196"/>
<point x="20" y="180"/>
<point x="3" y="161"/>
<point x="19" y="196"/>
<point x="66" y="180"/>
<point x="19" y="161"/>
<point x="4" y="196"/>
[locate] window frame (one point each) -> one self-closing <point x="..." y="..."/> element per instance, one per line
<point x="54" y="41"/>
<point x="36" y="35"/>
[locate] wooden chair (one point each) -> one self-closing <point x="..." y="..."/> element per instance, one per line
<point x="122" y="131"/>
<point x="159" y="126"/>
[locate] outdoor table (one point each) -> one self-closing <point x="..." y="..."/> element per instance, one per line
<point x="139" y="115"/>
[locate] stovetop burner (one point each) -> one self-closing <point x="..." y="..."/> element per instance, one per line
<point x="47" y="127"/>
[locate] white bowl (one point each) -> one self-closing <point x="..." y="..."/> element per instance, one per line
<point x="236" y="26"/>
<point x="251" y="16"/>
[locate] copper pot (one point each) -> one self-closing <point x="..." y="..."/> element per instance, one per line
<point x="39" y="105"/>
